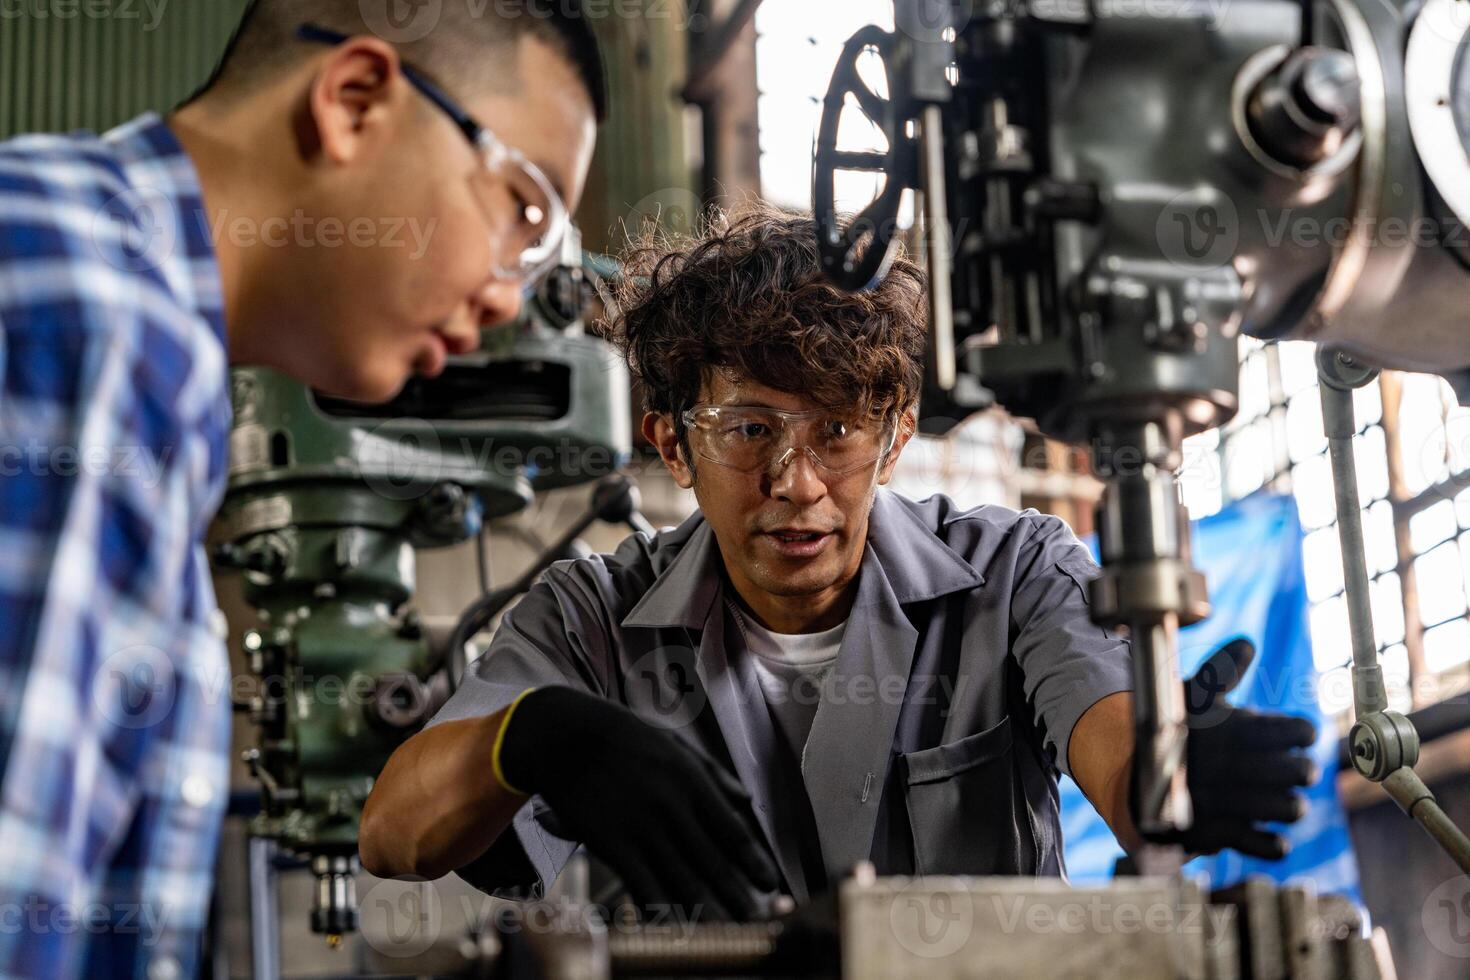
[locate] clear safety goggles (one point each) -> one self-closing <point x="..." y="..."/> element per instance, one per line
<point x="749" y="438"/>
<point x="532" y="242"/>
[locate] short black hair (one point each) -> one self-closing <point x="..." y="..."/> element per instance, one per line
<point x="454" y="49"/>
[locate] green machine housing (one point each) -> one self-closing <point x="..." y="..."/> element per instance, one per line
<point x="327" y="501"/>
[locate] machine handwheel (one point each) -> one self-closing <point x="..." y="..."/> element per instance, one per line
<point x="857" y="257"/>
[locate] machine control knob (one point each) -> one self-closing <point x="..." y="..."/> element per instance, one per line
<point x="1303" y="111"/>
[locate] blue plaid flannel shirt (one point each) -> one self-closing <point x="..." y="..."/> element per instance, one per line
<point x="114" y="682"/>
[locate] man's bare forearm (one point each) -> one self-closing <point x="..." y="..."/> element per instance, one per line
<point x="437" y="805"/>
<point x="1100" y="754"/>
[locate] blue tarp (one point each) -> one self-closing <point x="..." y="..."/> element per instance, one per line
<point x="1251" y="555"/>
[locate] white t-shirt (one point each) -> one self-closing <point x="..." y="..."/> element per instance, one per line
<point x="791" y="668"/>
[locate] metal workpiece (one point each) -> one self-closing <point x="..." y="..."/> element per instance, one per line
<point x="953" y="928"/>
<point x="1291" y="933"/>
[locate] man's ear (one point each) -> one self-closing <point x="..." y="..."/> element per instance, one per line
<point x="907" y="424"/>
<point x="354" y="91"/>
<point x="659" y="430"/>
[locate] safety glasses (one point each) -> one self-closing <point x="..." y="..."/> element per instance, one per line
<point x="749" y="438"/>
<point x="534" y="242"/>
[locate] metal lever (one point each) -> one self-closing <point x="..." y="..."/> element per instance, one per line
<point x="1384" y="744"/>
<point x="937" y="245"/>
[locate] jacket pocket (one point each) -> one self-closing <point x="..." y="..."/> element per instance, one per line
<point x="966" y="808"/>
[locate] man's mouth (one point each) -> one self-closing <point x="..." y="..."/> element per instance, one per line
<point x="787" y="535"/>
<point x="798" y="542"/>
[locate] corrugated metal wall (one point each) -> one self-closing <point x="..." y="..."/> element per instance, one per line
<point x="642" y="165"/>
<point x="90" y="64"/>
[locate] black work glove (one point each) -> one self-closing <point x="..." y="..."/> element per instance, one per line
<point x="1243" y="767"/>
<point x="675" y="826"/>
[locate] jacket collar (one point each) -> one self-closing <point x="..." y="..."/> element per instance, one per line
<point x="913" y="559"/>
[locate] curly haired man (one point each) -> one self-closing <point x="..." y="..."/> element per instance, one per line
<point x="812" y="671"/>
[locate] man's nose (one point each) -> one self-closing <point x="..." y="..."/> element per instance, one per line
<point x="500" y="301"/>
<point x="796" y="477"/>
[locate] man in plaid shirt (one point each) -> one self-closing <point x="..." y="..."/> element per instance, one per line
<point x="348" y="200"/>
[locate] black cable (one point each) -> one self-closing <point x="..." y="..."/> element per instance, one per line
<point x="614" y="500"/>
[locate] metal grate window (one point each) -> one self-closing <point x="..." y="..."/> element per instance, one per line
<point x="1412" y="479"/>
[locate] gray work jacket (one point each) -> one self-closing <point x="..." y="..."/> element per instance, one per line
<point x="968" y="658"/>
